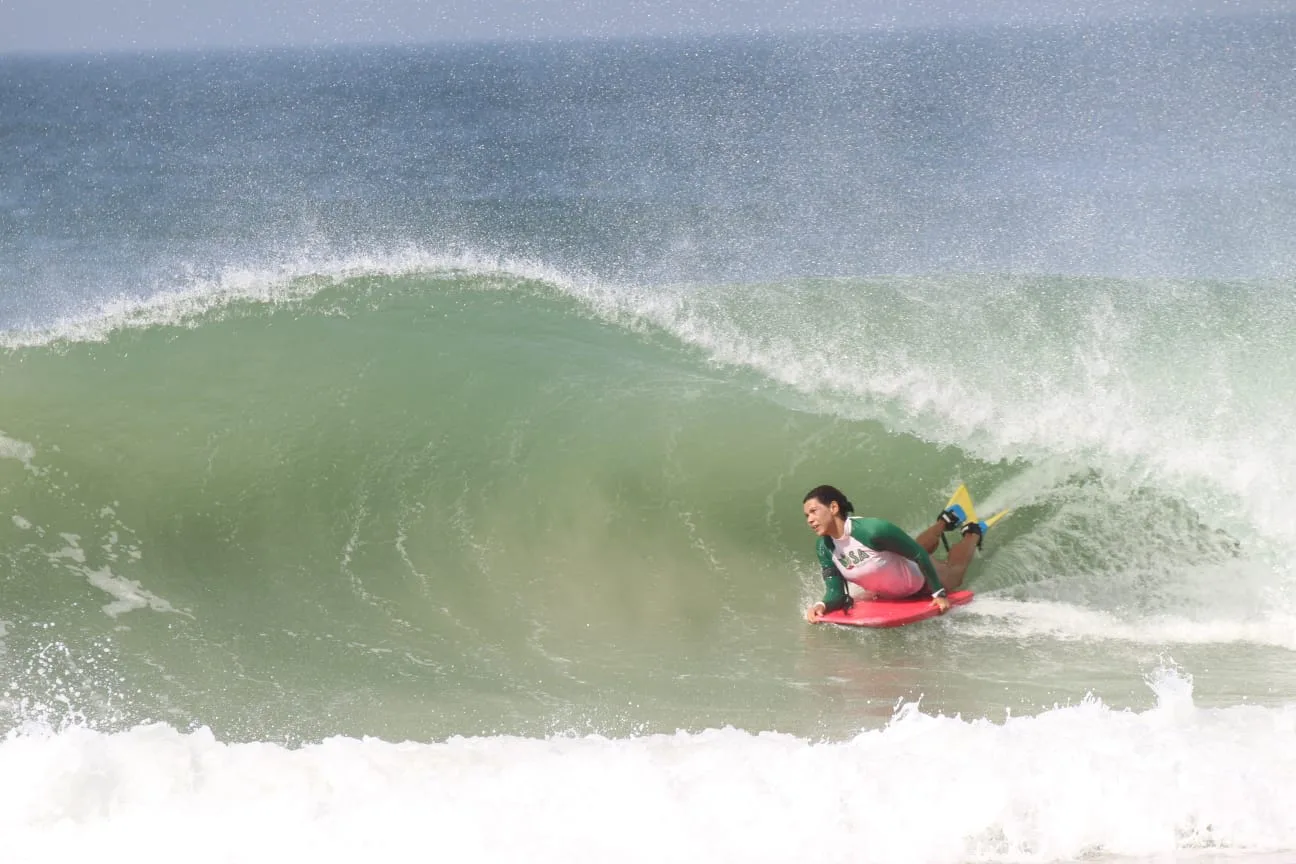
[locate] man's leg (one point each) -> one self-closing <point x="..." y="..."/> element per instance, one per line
<point x="929" y="539"/>
<point x="953" y="568"/>
<point x="946" y="521"/>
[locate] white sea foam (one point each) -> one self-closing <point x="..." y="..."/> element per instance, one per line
<point x="195" y="297"/>
<point x="127" y="594"/>
<point x="1001" y="617"/>
<point x="20" y="450"/>
<point x="1084" y="780"/>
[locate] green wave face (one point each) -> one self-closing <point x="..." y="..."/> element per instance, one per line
<point x="446" y="501"/>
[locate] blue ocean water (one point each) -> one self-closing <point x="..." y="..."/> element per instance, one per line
<point x="465" y="396"/>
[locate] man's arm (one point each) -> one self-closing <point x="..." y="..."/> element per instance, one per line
<point x="835" y="594"/>
<point x="883" y="536"/>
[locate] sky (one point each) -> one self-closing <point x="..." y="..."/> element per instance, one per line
<point x="43" y="26"/>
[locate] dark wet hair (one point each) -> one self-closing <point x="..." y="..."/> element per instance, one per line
<point x="827" y="495"/>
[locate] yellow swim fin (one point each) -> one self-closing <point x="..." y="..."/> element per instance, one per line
<point x="963" y="499"/>
<point x="996" y="517"/>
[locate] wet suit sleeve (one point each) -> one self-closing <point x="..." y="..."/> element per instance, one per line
<point x="885" y="537"/>
<point x="835" y="593"/>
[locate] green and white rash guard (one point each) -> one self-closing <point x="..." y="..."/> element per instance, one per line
<point x="865" y="548"/>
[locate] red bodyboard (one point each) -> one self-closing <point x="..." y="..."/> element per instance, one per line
<point x="890" y="613"/>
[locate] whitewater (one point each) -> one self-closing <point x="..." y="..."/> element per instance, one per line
<point x="1075" y="782"/>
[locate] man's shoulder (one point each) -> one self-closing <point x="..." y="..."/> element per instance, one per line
<point x="868" y="526"/>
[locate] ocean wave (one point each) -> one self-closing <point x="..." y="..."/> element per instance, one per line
<point x="479" y="477"/>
